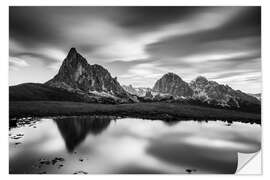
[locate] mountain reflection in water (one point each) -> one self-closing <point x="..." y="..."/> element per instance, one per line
<point x="96" y="144"/>
<point x="75" y="129"/>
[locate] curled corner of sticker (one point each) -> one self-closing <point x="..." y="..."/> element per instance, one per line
<point x="249" y="163"/>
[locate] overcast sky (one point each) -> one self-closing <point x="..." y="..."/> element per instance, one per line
<point x="139" y="44"/>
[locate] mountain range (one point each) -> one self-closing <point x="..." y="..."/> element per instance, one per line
<point x="77" y="80"/>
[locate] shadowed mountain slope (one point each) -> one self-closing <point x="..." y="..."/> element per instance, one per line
<point x="76" y="74"/>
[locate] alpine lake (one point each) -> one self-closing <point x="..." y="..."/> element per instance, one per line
<point x="113" y="145"/>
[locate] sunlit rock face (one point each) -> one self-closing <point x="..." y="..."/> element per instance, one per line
<point x="222" y="94"/>
<point x="76" y="74"/>
<point x="172" y="84"/>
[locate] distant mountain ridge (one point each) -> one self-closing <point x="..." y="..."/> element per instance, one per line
<point x="224" y="95"/>
<point x="171" y="87"/>
<point x="77" y="80"/>
<point x="138" y="91"/>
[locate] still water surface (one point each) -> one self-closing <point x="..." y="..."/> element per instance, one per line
<point x="81" y="145"/>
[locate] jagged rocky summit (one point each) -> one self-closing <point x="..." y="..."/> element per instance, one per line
<point x="172" y="84"/>
<point x="224" y="95"/>
<point x="75" y="74"/>
<point x="202" y="90"/>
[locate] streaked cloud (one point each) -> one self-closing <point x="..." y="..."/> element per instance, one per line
<point x="16" y="63"/>
<point x="140" y="44"/>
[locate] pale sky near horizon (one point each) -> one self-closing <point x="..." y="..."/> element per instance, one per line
<point x="139" y="44"/>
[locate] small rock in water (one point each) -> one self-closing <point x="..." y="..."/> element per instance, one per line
<point x="16" y="137"/>
<point x="81" y="160"/>
<point x="80" y="172"/>
<point x="43" y="172"/>
<point x="57" y="159"/>
<point x="53" y="162"/>
<point x="19" y="136"/>
<point x="190" y="170"/>
<point x="46" y="162"/>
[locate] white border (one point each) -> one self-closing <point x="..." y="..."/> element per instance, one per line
<point x="137" y="2"/>
<point x="4" y="75"/>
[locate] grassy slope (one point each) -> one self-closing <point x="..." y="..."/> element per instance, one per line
<point x="163" y="111"/>
<point x="40" y="92"/>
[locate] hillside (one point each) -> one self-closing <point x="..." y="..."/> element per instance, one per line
<point x="40" y="92"/>
<point x="43" y="92"/>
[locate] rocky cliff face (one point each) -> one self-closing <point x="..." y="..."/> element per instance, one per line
<point x="172" y="84"/>
<point x="205" y="91"/>
<point x="76" y="74"/>
<point x="223" y="95"/>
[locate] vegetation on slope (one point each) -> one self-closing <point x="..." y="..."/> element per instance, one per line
<point x="162" y="111"/>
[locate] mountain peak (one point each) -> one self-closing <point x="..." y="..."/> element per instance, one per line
<point x="72" y="51"/>
<point x="171" y="83"/>
<point x="74" y="58"/>
<point x="170" y="74"/>
<point x="76" y="74"/>
<point x="223" y="95"/>
<point x="201" y="79"/>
